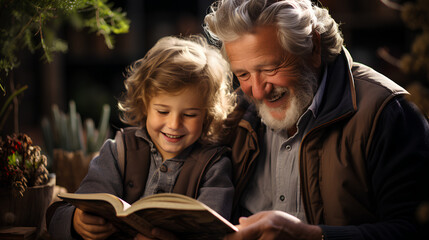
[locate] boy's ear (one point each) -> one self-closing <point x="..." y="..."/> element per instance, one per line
<point x="316" y="54"/>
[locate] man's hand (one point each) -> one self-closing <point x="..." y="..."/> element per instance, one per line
<point x="274" y="225"/>
<point x="89" y="226"/>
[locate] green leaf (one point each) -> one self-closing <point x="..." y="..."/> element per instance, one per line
<point x="32" y="25"/>
<point x="11" y="160"/>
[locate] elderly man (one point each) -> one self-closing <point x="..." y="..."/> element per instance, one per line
<point x="325" y="148"/>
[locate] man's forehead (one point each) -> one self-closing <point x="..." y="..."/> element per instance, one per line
<point x="266" y="33"/>
<point x="252" y="61"/>
<point x="254" y="44"/>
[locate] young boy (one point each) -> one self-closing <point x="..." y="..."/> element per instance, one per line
<point x="176" y="98"/>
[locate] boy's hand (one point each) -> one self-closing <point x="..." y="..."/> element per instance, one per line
<point x="89" y="226"/>
<point x="157" y="234"/>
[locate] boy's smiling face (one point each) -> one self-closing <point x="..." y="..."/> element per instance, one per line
<point x="175" y="121"/>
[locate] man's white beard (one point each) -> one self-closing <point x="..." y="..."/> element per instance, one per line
<point x="291" y="116"/>
<point x="305" y="90"/>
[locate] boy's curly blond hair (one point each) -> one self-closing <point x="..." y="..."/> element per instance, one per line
<point x="173" y="64"/>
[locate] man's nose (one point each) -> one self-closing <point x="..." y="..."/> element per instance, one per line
<point x="260" y="88"/>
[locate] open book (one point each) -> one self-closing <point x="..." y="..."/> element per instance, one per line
<point x="186" y="217"/>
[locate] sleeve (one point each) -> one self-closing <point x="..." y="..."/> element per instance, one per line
<point x="398" y="168"/>
<point x="217" y="189"/>
<point x="103" y="176"/>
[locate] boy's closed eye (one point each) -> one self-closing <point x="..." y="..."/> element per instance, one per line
<point x="162" y="112"/>
<point x="191" y="115"/>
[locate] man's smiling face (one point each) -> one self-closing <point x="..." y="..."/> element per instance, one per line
<point x="279" y="83"/>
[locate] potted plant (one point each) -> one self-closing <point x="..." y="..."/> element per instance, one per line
<point x="25" y="186"/>
<point x="71" y="143"/>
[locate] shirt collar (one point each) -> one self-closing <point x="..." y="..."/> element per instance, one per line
<point x="142" y="133"/>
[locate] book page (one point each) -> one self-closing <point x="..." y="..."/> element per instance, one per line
<point x="186" y="224"/>
<point x="102" y="205"/>
<point x="118" y="204"/>
<point x="167" y="200"/>
<point x="186" y="217"/>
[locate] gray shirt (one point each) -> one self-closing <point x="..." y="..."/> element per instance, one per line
<point x="216" y="190"/>
<point x="275" y="184"/>
<point x="162" y="175"/>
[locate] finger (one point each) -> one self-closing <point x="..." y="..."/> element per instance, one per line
<point x="163" y="234"/>
<point x="106" y="234"/>
<point x="95" y="224"/>
<point x="249" y="232"/>
<point x="83" y="224"/>
<point x="234" y="236"/>
<point x="141" y="237"/>
<point x="245" y="221"/>
<point x="249" y="228"/>
<point x="100" y="229"/>
<point x="244" y="233"/>
<point x="91" y="219"/>
<point x="242" y="221"/>
<point x="98" y="235"/>
<point x="97" y="228"/>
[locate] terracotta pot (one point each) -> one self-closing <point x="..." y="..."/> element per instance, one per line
<point x="28" y="210"/>
<point x="70" y="168"/>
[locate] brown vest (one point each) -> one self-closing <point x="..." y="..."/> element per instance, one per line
<point x="334" y="182"/>
<point x="335" y="185"/>
<point x="137" y="162"/>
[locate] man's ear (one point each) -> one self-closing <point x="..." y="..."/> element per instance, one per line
<point x="316" y="54"/>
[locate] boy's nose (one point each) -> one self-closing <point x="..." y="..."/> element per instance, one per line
<point x="174" y="121"/>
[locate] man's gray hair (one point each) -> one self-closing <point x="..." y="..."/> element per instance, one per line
<point x="295" y="19"/>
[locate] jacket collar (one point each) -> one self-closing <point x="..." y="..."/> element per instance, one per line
<point x="339" y="98"/>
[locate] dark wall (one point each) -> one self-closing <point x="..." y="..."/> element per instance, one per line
<point x="92" y="75"/>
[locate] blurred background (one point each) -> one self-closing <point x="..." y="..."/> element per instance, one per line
<point x="63" y="64"/>
<point x="91" y="74"/>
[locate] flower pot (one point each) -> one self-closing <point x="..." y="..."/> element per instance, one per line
<point x="28" y="210"/>
<point x="70" y="168"/>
